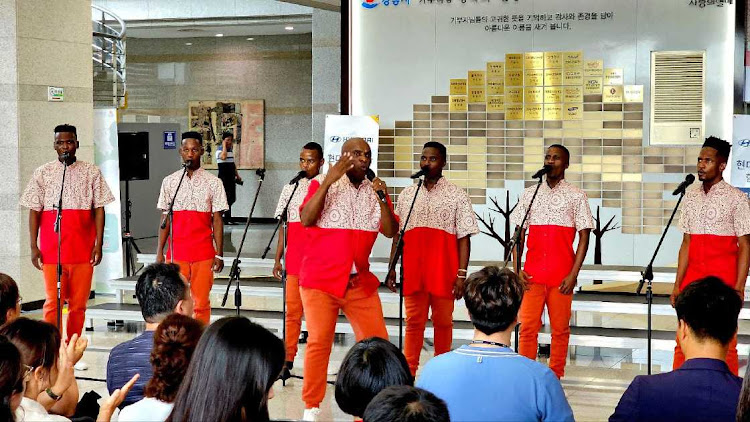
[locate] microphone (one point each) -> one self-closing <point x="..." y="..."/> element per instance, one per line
<point x="689" y="179"/>
<point x="298" y="177"/>
<point x="419" y="174"/>
<point x="544" y="170"/>
<point x="65" y="156"/>
<point x="185" y="164"/>
<point x="370" y="177"/>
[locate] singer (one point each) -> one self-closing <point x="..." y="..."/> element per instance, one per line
<point x="198" y="226"/>
<point x="551" y="271"/>
<point x="343" y="215"/>
<point x="436" y="253"/>
<point x="310" y="162"/>
<point x="84" y="196"/>
<point x="715" y="220"/>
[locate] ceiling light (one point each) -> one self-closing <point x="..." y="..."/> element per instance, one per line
<point x="188" y="43"/>
<point x="250" y="39"/>
<point x="219" y="35"/>
<point x="289" y="28"/>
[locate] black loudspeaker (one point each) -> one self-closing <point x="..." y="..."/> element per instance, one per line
<point x="133" y="149"/>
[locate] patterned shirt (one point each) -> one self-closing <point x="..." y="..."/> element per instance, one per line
<point x="342" y="238"/>
<point x="198" y="198"/>
<point x="714" y="221"/>
<point x="555" y="217"/>
<point x="296" y="233"/>
<point x="440" y="217"/>
<point x="85" y="190"/>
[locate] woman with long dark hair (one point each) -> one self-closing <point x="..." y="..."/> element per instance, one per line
<point x="231" y="375"/>
<point x="11" y="380"/>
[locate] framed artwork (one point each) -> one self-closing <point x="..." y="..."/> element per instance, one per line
<point x="244" y="118"/>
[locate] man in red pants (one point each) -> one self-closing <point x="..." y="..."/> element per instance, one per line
<point x="84" y="196"/>
<point x="343" y="215"/>
<point x="551" y="271"/>
<point x="198" y="226"/>
<point x="436" y="253"/>
<point x="715" y="220"/>
<point x="310" y="161"/>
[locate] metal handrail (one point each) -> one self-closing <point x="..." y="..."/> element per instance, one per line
<point x="121" y="33"/>
<point x="108" y="53"/>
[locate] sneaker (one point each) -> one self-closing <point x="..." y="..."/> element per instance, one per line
<point x="81" y="366"/>
<point x="311" y="414"/>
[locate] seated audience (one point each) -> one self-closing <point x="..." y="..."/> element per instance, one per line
<point x="370" y="365"/>
<point x="174" y="343"/>
<point x="48" y="370"/>
<point x="231" y="375"/>
<point x="486" y="380"/>
<point x="161" y="291"/>
<point x="703" y="388"/>
<point x="11" y="380"/>
<point x="403" y="403"/>
<point x="743" y="407"/>
<point x="10" y="300"/>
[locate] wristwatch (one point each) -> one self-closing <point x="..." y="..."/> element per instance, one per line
<point x="52" y="395"/>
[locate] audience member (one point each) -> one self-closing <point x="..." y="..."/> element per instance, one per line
<point x="370" y="365"/>
<point x="175" y="340"/>
<point x="743" y="407"/>
<point x="231" y="375"/>
<point x="703" y="388"/>
<point x="161" y="290"/>
<point x="403" y="403"/>
<point x="10" y="300"/>
<point x="11" y="380"/>
<point x="486" y="380"/>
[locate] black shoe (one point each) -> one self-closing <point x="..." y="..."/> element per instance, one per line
<point x="286" y="373"/>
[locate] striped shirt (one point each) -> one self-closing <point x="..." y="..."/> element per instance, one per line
<point x="127" y="359"/>
<point x="230" y="155"/>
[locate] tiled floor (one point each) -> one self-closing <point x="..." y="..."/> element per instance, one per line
<point x="594" y="381"/>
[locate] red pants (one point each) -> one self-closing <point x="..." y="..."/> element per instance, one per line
<point x="293" y="320"/>
<point x="530" y="317"/>
<point x="75" y="287"/>
<point x="200" y="275"/>
<point x="417" y="305"/>
<point x="733" y="361"/>
<point x="364" y="313"/>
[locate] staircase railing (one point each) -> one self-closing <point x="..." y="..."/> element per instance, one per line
<point x="108" y="54"/>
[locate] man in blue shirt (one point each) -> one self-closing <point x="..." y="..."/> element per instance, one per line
<point x="161" y="290"/>
<point x="703" y="388"/>
<point x="486" y="380"/>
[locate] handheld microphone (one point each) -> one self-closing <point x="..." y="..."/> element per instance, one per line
<point x="544" y="170"/>
<point x="689" y="179"/>
<point x="370" y="176"/>
<point x="298" y="177"/>
<point x="419" y="174"/>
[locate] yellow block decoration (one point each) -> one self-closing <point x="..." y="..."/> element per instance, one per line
<point x="533" y="77"/>
<point x="533" y="60"/>
<point x="496" y="103"/>
<point x="592" y="85"/>
<point x="495" y="70"/>
<point x="613" y="76"/>
<point x="513" y="62"/>
<point x="633" y="94"/>
<point x="476" y="78"/>
<point x="553" y="94"/>
<point x="513" y="111"/>
<point x="553" y="77"/>
<point x="573" y="77"/>
<point x="612" y="94"/>
<point x="496" y="86"/>
<point x="553" y="111"/>
<point x="476" y="94"/>
<point x="572" y="111"/>
<point x="573" y="60"/>
<point x="533" y="111"/>
<point x="458" y="103"/>
<point x="458" y="87"/>
<point x="553" y="60"/>
<point x="593" y="68"/>
<point x="513" y="95"/>
<point x="573" y="94"/>
<point x="533" y="94"/>
<point x="513" y="77"/>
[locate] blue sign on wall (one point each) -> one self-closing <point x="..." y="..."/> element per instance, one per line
<point x="170" y="140"/>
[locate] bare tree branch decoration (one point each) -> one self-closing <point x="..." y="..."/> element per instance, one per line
<point x="599" y="232"/>
<point x="489" y="222"/>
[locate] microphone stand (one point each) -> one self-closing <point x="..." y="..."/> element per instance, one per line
<point x="170" y="215"/>
<point x="515" y="242"/>
<point x="234" y="272"/>
<point x="392" y="267"/>
<point x="58" y="226"/>
<point x="647" y="277"/>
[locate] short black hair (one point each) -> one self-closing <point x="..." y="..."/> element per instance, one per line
<point x="314" y="146"/>
<point x="493" y="297"/>
<point x="710" y="308"/>
<point x="370" y="365"/>
<point x="193" y="135"/>
<point x="8" y="295"/>
<point x="721" y="146"/>
<point x="565" y="150"/>
<point x="226" y="135"/>
<point x="406" y="404"/>
<point x="159" y="289"/>
<point x="66" y="128"/>
<point x="438" y="146"/>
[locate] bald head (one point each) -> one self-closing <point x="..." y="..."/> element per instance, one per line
<point x="360" y="151"/>
<point x="355" y="144"/>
